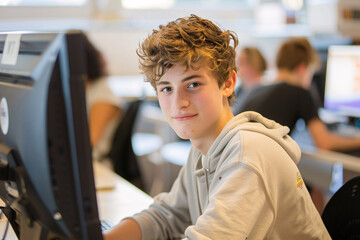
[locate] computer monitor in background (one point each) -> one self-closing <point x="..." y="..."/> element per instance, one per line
<point x="342" y="86"/>
<point x="46" y="174"/>
<point x="321" y="45"/>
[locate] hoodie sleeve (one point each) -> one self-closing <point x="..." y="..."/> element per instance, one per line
<point x="234" y="209"/>
<point x="168" y="216"/>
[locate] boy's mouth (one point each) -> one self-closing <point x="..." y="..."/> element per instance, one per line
<point x="184" y="117"/>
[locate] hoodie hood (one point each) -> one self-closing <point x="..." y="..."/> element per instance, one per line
<point x="254" y="122"/>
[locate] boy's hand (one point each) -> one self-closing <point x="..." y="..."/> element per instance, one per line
<point x="127" y="230"/>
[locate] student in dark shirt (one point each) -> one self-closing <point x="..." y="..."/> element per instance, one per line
<point x="289" y="98"/>
<point x="282" y="102"/>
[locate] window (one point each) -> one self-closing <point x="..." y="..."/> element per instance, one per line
<point x="42" y="2"/>
<point x="146" y="4"/>
<point x="165" y="4"/>
<point x="22" y="11"/>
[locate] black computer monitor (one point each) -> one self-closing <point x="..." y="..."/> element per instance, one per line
<point x="46" y="174"/>
<point x="342" y="85"/>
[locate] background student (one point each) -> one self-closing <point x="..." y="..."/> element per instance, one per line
<point x="241" y="180"/>
<point x="251" y="65"/>
<point x="104" y="108"/>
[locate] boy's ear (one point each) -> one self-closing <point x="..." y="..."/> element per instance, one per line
<point x="229" y="84"/>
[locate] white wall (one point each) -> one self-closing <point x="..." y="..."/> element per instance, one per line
<point x="118" y="36"/>
<point x="119" y="45"/>
<point x="119" y="49"/>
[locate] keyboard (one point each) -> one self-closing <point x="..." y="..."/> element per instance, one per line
<point x="105" y="225"/>
<point x="347" y="130"/>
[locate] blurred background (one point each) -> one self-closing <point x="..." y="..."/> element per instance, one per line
<point x="117" y="26"/>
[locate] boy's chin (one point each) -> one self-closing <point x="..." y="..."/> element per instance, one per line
<point x="183" y="136"/>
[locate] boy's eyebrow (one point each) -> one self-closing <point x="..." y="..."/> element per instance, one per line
<point x="191" y="77"/>
<point x="162" y="83"/>
<point x="183" y="80"/>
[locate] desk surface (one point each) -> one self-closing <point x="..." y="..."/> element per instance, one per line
<point x="118" y="200"/>
<point x="303" y="138"/>
<point x="122" y="201"/>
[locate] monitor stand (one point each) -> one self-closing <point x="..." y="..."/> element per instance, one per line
<point x="23" y="206"/>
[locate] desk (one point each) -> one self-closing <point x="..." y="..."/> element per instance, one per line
<point x="122" y="201"/>
<point x="114" y="203"/>
<point x="319" y="164"/>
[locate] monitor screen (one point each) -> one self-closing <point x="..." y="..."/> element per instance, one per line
<point x="46" y="174"/>
<point x="342" y="86"/>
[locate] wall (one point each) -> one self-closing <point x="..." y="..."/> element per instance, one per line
<point x="119" y="34"/>
<point x="119" y="48"/>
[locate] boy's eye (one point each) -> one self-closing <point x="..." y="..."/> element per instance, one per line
<point x="194" y="84"/>
<point x="165" y="89"/>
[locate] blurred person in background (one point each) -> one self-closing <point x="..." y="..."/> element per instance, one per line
<point x="104" y="108"/>
<point x="251" y="65"/>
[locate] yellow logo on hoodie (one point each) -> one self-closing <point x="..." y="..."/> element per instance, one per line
<point x="300" y="182"/>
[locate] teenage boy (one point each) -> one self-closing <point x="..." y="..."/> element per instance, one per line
<point x="241" y="179"/>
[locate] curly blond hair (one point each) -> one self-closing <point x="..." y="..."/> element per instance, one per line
<point x="188" y="41"/>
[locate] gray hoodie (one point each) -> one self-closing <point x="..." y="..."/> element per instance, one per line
<point x="247" y="187"/>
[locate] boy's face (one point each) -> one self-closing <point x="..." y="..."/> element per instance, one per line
<point x="193" y="103"/>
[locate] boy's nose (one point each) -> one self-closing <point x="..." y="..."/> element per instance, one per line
<point x="181" y="100"/>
